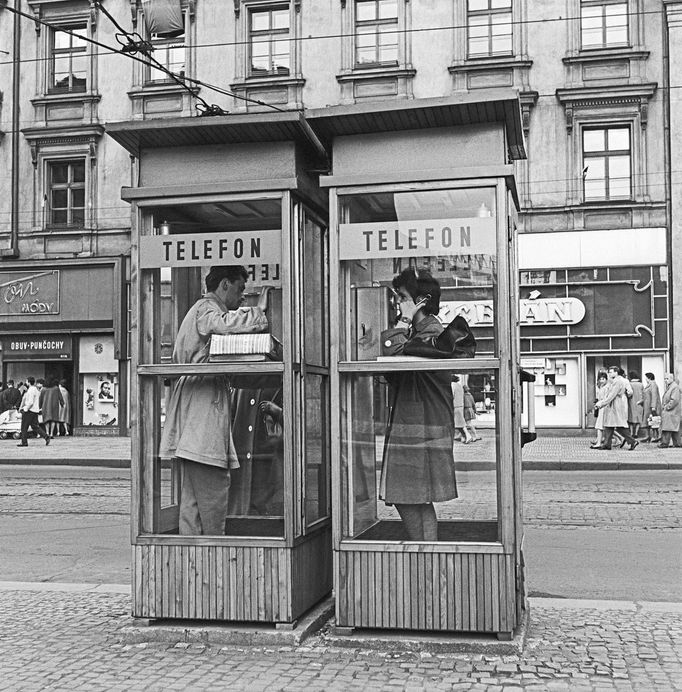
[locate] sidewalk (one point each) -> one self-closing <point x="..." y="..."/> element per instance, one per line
<point x="548" y="452"/>
<point x="67" y="637"/>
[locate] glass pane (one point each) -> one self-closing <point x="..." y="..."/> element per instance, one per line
<point x="619" y="176"/>
<point x="60" y="71"/>
<point x="61" y="40"/>
<point x="315" y="293"/>
<point x="619" y="139"/>
<point x="402" y="436"/>
<point x="207" y="424"/>
<point x="448" y="235"/>
<point x="388" y="9"/>
<point x="476" y="5"/>
<point x="206" y="235"/>
<point x="497" y="4"/>
<point x="77" y="217"/>
<point x="281" y="63"/>
<point x="60" y="172"/>
<point x="59" y="216"/>
<point x="616" y="35"/>
<point x="260" y="21"/>
<point x="317" y="455"/>
<point x="78" y="43"/>
<point x="595" y="188"/>
<point x="60" y="199"/>
<point x="365" y="11"/>
<point x="78" y="171"/>
<point x="478" y="46"/>
<point x="78" y="198"/>
<point x="593" y="140"/>
<point x="280" y="19"/>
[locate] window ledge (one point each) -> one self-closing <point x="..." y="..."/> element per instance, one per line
<point x="159" y="88"/>
<point x="599" y="54"/>
<point x="66" y="97"/>
<point x="270" y="80"/>
<point x="601" y="93"/>
<point x="359" y="73"/>
<point x="592" y="206"/>
<point x="488" y="63"/>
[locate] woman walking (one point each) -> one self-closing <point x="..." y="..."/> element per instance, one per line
<point x="470" y="414"/>
<point x="602" y="388"/>
<point x="50" y="402"/>
<point x="651" y="406"/>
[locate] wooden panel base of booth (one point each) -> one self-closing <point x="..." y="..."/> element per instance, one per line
<point x="228" y="582"/>
<point x="411" y="590"/>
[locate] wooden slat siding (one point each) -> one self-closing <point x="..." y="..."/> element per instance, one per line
<point x="452" y="590"/>
<point x="438" y="594"/>
<point x="382" y="595"/>
<point x="473" y="584"/>
<point x="502" y="596"/>
<point x="357" y="590"/>
<point x="157" y="579"/>
<point x="465" y="592"/>
<point x="208" y="583"/>
<point x="487" y="593"/>
<point x="259" y="555"/>
<point x="400" y="600"/>
<point x="480" y="593"/>
<point x="511" y="591"/>
<point x="341" y="588"/>
<point x="388" y="589"/>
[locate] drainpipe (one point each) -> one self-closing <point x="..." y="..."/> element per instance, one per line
<point x="668" y="184"/>
<point x="13" y="251"/>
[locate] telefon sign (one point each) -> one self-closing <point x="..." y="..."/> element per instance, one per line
<point x="201" y="249"/>
<point x="422" y="238"/>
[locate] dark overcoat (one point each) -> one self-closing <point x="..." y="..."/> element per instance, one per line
<point x="418" y="464"/>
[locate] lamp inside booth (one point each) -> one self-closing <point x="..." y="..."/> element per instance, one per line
<point x="164" y="228"/>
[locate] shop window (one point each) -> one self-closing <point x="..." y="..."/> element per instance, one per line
<point x="269" y="45"/>
<point x="603" y="23"/>
<point x="68" y="59"/>
<point x="171" y="54"/>
<point x="376" y="39"/>
<point x="66" y="193"/>
<point x="606" y="163"/>
<point x="489" y="24"/>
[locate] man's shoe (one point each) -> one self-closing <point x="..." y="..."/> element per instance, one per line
<point x="23" y="444"/>
<point x="606" y="448"/>
<point x="663" y="446"/>
<point x="634" y="445"/>
<point x="47" y="440"/>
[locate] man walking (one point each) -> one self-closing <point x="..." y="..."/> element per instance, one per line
<point x="30" y="408"/>
<point x="615" y="405"/>
<point x="671" y="413"/>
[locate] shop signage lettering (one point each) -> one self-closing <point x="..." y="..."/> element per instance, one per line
<point x="424" y="238"/>
<point x="29" y="293"/>
<point x="201" y="249"/>
<point x="543" y="311"/>
<point x="52" y="346"/>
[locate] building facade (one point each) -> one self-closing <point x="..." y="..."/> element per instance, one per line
<point x="600" y="193"/>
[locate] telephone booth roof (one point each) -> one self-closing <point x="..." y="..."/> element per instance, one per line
<point x="314" y="129"/>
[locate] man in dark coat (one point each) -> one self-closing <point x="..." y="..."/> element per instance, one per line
<point x="10" y="397"/>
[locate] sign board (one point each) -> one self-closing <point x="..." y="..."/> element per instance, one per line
<point x="29" y="292"/>
<point x="532" y="363"/>
<point x="543" y="311"/>
<point x="37" y="347"/>
<point x="423" y="238"/>
<point x="203" y="249"/>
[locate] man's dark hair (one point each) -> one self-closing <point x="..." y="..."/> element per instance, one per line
<point x="31" y="380"/>
<point x="10" y="383"/>
<point x="40" y="380"/>
<point x="615" y="368"/>
<point x="419" y="284"/>
<point x="231" y="272"/>
<point x="649" y="375"/>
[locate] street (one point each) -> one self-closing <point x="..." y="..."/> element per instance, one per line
<point x="71" y="524"/>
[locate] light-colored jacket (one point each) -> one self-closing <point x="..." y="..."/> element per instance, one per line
<point x="616" y="404"/>
<point x="31" y="400"/>
<point x="197" y="425"/>
<point x="671" y="412"/>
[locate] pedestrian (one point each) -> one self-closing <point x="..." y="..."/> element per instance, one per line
<point x="10" y="397"/>
<point x="651" y="407"/>
<point x="30" y="408"/>
<point x="635" y="403"/>
<point x="470" y="413"/>
<point x="616" y="410"/>
<point x="198" y="427"/>
<point x="51" y="401"/>
<point x="671" y="413"/>
<point x="64" y="410"/>
<point x="461" y="432"/>
<point x="602" y="389"/>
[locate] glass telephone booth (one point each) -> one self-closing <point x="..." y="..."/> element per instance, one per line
<point x="211" y="392"/>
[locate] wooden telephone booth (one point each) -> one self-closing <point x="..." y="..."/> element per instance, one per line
<point x="232" y="190"/>
<point x="425" y="186"/>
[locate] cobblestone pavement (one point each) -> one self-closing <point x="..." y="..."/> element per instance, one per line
<point x="61" y="640"/>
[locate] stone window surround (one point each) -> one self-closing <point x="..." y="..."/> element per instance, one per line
<point x="613" y="106"/>
<point x="152" y="97"/>
<point x="284" y="91"/>
<point x="353" y="78"/>
<point x="67" y="144"/>
<point x="64" y="13"/>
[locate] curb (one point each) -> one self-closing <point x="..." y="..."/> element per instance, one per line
<point x="67" y="461"/>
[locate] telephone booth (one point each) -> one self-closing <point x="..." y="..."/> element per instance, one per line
<point x="232" y="190"/>
<point x="425" y="186"/>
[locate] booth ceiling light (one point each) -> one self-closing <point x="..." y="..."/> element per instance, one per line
<point x="164" y="228"/>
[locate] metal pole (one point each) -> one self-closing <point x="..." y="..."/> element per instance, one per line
<point x="14" y="217"/>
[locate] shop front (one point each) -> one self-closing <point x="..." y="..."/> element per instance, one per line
<point x="65" y="322"/>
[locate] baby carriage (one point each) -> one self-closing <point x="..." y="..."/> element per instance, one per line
<point x="10" y="424"/>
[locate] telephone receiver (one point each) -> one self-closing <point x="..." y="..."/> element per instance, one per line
<point x="423" y="300"/>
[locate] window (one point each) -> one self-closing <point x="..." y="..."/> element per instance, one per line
<point x="170" y="52"/>
<point x="376" y="40"/>
<point x="607" y="163"/>
<point x="489" y="25"/>
<point x="269" y="46"/>
<point x="603" y="23"/>
<point x="68" y="59"/>
<point x="66" y="195"/>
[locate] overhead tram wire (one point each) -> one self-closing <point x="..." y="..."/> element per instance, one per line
<point x="208" y="109"/>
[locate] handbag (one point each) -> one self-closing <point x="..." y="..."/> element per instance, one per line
<point x="654" y="421"/>
<point x="455" y="341"/>
<point x="595" y="410"/>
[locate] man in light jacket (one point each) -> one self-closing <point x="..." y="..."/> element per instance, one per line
<point x="198" y="430"/>
<point x="671" y="412"/>
<point x="30" y="408"/>
<point x="615" y="405"/>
